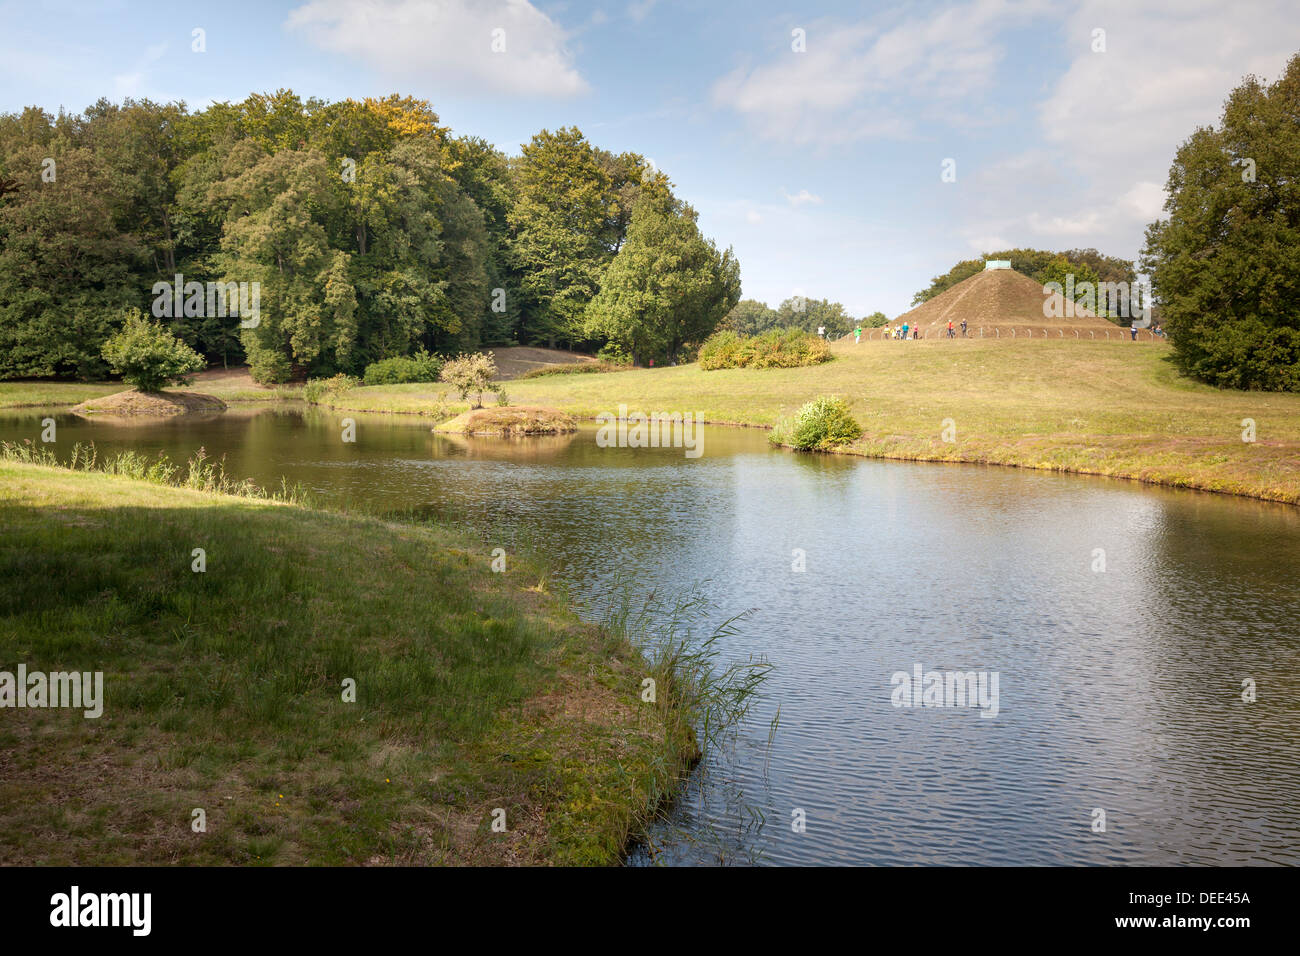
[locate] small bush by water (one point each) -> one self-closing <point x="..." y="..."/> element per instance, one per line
<point x="820" y="424"/>
<point x="321" y="388"/>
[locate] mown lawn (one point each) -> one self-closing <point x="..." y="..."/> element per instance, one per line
<point x="224" y="690"/>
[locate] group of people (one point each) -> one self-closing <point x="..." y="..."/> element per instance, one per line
<point x="907" y="331"/>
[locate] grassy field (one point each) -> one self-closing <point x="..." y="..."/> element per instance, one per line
<point x="224" y="689"/>
<point x="1104" y="408"/>
<point x="229" y="386"/>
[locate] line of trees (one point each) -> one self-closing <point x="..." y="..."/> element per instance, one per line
<point x="371" y="230"/>
<point x="751" y="317"/>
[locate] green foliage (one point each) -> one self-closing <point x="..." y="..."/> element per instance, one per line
<point x="369" y="230"/>
<point x="1225" y="265"/>
<point x="668" y="288"/>
<point x="823" y="423"/>
<point x="572" y="368"/>
<point x="812" y="314"/>
<point x="775" y="348"/>
<point x="149" y="357"/>
<point x="470" y="374"/>
<point x="420" y="367"/>
<point x="749" y="317"/>
<point x="334" y="386"/>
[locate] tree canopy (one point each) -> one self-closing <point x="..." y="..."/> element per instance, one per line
<point x="369" y="230"/>
<point x="1225" y="264"/>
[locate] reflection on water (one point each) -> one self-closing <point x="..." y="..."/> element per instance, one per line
<point x="1120" y="690"/>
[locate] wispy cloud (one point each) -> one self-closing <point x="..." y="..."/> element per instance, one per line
<point x="498" y="46"/>
<point x="844" y="85"/>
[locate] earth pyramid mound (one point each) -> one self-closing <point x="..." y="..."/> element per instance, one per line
<point x="1003" y="301"/>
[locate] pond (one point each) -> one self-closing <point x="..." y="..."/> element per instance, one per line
<point x="1080" y="646"/>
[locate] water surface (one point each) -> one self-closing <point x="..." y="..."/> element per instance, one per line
<point x="1119" y="690"/>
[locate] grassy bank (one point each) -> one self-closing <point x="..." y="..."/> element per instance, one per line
<point x="1113" y="408"/>
<point x="1101" y="408"/>
<point x="234" y="386"/>
<point x="223" y="690"/>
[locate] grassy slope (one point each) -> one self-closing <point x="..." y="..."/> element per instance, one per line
<point x="1112" y="408"/>
<point x="223" y="689"/>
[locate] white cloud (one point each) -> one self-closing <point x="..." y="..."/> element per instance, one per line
<point x="843" y="88"/>
<point x="801" y="197"/>
<point x="988" y="243"/>
<point x="450" y="42"/>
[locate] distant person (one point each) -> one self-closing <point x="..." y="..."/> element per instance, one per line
<point x="916" y="333"/>
<point x="963" y="328"/>
<point x="1133" y="332"/>
<point x="857" y="334"/>
<point x="951" y="333"/>
<point x="821" y="330"/>
<point x="905" y="328"/>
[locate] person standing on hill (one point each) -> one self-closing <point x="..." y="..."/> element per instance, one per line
<point x="951" y="334"/>
<point x="963" y="328"/>
<point x="904" y="330"/>
<point x="857" y="335"/>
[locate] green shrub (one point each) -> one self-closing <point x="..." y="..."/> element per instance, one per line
<point x="820" y="424"/>
<point x="470" y="373"/>
<point x="572" y="368"/>
<point x="775" y="348"/>
<point x="319" y="388"/>
<point x="149" y="357"/>
<point x="420" y="367"/>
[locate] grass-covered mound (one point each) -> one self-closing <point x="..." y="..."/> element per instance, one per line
<point x="134" y="403"/>
<point x="223" y="688"/>
<point x="510" y="420"/>
<point x="775" y="348"/>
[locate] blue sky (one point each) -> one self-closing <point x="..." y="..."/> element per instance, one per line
<point x="822" y="168"/>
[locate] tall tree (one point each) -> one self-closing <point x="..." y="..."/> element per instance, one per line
<point x="1225" y="265"/>
<point x="667" y="287"/>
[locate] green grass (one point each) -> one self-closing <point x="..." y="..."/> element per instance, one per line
<point x="50" y="394"/>
<point x="1105" y="408"/>
<point x="45" y="394"/>
<point x="223" y="689"/>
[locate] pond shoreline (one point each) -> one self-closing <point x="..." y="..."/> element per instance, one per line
<point x="565" y="716"/>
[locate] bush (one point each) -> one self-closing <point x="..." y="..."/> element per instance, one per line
<point x="470" y="373"/>
<point x="775" y="348"/>
<point x="420" y="367"/>
<point x="822" y="423"/>
<point x="572" y="368"/>
<point x="319" y="388"/>
<point x="149" y="357"/>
